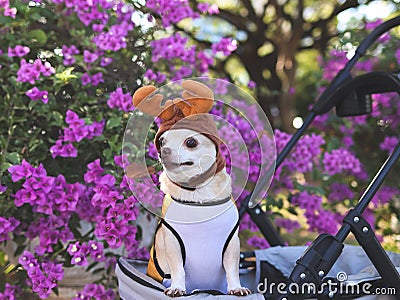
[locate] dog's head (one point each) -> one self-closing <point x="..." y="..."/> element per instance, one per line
<point x="185" y="154"/>
<point x="187" y="138"/>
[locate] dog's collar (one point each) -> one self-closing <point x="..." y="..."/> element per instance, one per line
<point x="184" y="186"/>
<point x="222" y="201"/>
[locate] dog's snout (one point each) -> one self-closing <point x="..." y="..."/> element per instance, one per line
<point x="165" y="151"/>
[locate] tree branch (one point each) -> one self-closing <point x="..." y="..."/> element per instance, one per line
<point x="235" y="20"/>
<point x="252" y="14"/>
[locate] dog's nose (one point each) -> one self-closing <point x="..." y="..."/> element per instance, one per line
<point x="165" y="151"/>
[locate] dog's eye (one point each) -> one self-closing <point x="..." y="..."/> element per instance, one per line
<point x="191" y="142"/>
<point x="161" y="142"/>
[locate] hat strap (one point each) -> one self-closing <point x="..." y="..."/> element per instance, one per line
<point x="192" y="184"/>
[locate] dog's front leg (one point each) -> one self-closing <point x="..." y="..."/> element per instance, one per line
<point x="231" y="266"/>
<point x="174" y="259"/>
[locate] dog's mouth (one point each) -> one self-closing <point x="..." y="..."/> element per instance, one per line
<point x="186" y="163"/>
<point x="173" y="165"/>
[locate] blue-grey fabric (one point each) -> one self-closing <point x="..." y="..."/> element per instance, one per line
<point x="353" y="261"/>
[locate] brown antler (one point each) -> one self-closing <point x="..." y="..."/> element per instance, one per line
<point x="198" y="98"/>
<point x="146" y="101"/>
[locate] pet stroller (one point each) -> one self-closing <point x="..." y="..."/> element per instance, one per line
<point x="327" y="269"/>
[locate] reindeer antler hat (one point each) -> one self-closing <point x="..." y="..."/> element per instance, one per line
<point x="191" y="112"/>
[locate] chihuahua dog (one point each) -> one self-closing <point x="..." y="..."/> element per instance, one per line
<point x="196" y="245"/>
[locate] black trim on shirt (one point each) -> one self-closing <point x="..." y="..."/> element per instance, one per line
<point x="183" y="251"/>
<point x="229" y="238"/>
<point x="218" y="202"/>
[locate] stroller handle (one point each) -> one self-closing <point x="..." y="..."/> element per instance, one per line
<point x="324" y="102"/>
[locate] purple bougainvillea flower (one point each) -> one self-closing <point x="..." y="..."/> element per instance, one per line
<point x="172" y="11"/>
<point x="71" y="117"/>
<point x="95" y="129"/>
<point x="69" y="151"/>
<point x="119" y="99"/>
<point x="26" y="73"/>
<point x="19" y="172"/>
<point x="398" y="55"/>
<point x="95" y="291"/>
<point x="89" y="57"/>
<point x="341" y="160"/>
<point x="30" y="72"/>
<point x="3" y="188"/>
<point x="18" y="51"/>
<point x="389" y="143"/>
<point x="251" y="84"/>
<point x="7" y="225"/>
<point x="203" y="7"/>
<point x="46" y="68"/>
<point x="35" y="94"/>
<point x="63" y="150"/>
<point x="105" y="61"/>
<point x="10" y="12"/>
<point x="75" y="132"/>
<point x="98" y="27"/>
<point x="85" y="79"/>
<point x="258" y="242"/>
<point x="69" y="54"/>
<point x="97" y="79"/>
<point x="225" y="45"/>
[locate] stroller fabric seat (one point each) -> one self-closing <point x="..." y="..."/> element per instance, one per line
<point x="134" y="284"/>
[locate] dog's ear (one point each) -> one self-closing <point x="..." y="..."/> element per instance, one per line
<point x="198" y="98"/>
<point x="150" y="103"/>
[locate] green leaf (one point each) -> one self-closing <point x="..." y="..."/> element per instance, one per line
<point x="3" y="142"/>
<point x="292" y="210"/>
<point x="113" y="122"/>
<point x="58" y="118"/>
<point x="32" y="104"/>
<point x="37" y="35"/>
<point x="66" y="75"/>
<point x="130" y="148"/>
<point x="279" y="203"/>
<point x="20" y="249"/>
<point x="4" y="167"/>
<point x="107" y="153"/>
<point x="141" y="153"/>
<point x="4" y="20"/>
<point x="13" y="158"/>
<point x="91" y="266"/>
<point x="97" y="271"/>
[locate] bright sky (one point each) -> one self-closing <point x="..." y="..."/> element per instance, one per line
<point x="373" y="11"/>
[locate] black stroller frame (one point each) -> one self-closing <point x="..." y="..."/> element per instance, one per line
<point x="351" y="97"/>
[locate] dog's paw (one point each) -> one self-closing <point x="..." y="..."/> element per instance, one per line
<point x="242" y="291"/>
<point x="174" y="292"/>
